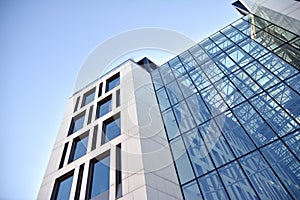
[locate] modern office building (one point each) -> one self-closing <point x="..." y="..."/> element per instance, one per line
<point x="219" y="121"/>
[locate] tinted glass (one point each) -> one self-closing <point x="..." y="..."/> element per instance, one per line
<point x="191" y="191"/>
<point x="170" y="124"/>
<point x="104" y="107"/>
<point x="64" y="188"/>
<point x="80" y="147"/>
<point x="112" y="83"/>
<point x="76" y="124"/>
<point x="88" y="98"/>
<point x="112" y="129"/>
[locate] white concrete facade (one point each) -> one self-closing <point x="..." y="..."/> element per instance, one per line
<point x="147" y="166"/>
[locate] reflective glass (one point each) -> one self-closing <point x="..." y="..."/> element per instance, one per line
<point x="262" y="178"/>
<point x="156" y="79"/>
<point x="215" y="143"/>
<point x="289" y="54"/>
<point x="182" y="163"/>
<point x="287" y="98"/>
<point x="253" y="48"/>
<point x="186" y="85"/>
<point x="166" y="73"/>
<point x="100" y="179"/>
<point x="174" y="92"/>
<point x="79" y="148"/>
<point x="236" y="182"/>
<point x="212" y="187"/>
<point x="199" y="79"/>
<point x="177" y="67"/>
<point x="268" y="40"/>
<point x="235" y="135"/>
<point x="295" y="43"/>
<point x="197" y="151"/>
<point x="198" y="108"/>
<point x="163" y="100"/>
<point x="88" y="97"/>
<point x="294" y="82"/>
<point x="112" y="128"/>
<point x="211" y="48"/>
<point x="113" y="82"/>
<point x="76" y="123"/>
<point x="254" y="125"/>
<point x="199" y="54"/>
<point x="239" y="56"/>
<point x="222" y="41"/>
<point x="285" y="165"/>
<point x="212" y="71"/>
<point x="104" y="107"/>
<point x="188" y="61"/>
<point x="213" y="101"/>
<point x="170" y="124"/>
<point x="280" y="32"/>
<point x="244" y="83"/>
<point x="64" y="188"/>
<point x="278" y="66"/>
<point x="261" y="23"/>
<point x="293" y="142"/>
<point x="183" y="117"/>
<point x="275" y="116"/>
<point x="229" y="92"/>
<point x="261" y="75"/>
<point x="191" y="191"/>
<point x="226" y="64"/>
<point x="234" y="35"/>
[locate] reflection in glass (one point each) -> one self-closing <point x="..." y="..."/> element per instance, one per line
<point x="186" y="85"/>
<point x="199" y="79"/>
<point x="198" y="108"/>
<point x="63" y="188"/>
<point x="199" y="54"/>
<point x="163" y="100"/>
<point x="226" y="64"/>
<point x="170" y="124"/>
<point x="174" y="92"/>
<point x="293" y="142"/>
<point x="166" y="73"/>
<point x="183" y="117"/>
<point x="79" y="148"/>
<point x="188" y="61"/>
<point x="177" y="67"/>
<point x="111" y="129"/>
<point x="191" y="191"/>
<point x="156" y="79"/>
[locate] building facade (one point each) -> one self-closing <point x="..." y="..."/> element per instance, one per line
<point x="219" y="121"/>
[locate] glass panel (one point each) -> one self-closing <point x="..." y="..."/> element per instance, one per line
<point x="166" y="73"/>
<point x="280" y="68"/>
<point x="289" y="54"/>
<point x="76" y="123"/>
<point x="170" y="124"/>
<point x="236" y="182"/>
<point x="244" y="83"/>
<point x="276" y="117"/>
<point x="191" y="191"/>
<point x="177" y="67"/>
<point x="80" y="147"/>
<point x="226" y="64"/>
<point x="212" y="71"/>
<point x="64" y="188"/>
<point x="112" y="128"/>
<point x="213" y="100"/>
<point x="255" y="126"/>
<point x="294" y="82"/>
<point x="253" y="48"/>
<point x="183" y="117"/>
<point x="215" y="143"/>
<point x="229" y="92"/>
<point x="261" y="23"/>
<point x="285" y="165"/>
<point x="104" y="107"/>
<point x="239" y="56"/>
<point x="268" y="40"/>
<point x="295" y="43"/>
<point x="88" y="97"/>
<point x="100" y="179"/>
<point x="261" y="75"/>
<point x="287" y="98"/>
<point x="262" y="178"/>
<point x="112" y="82"/>
<point x="174" y="92"/>
<point x="163" y="100"/>
<point x="293" y="142"/>
<point x="222" y="41"/>
<point x="199" y="54"/>
<point x="186" y="85"/>
<point x="188" y="61"/>
<point x="198" y="108"/>
<point x="184" y="168"/>
<point x="156" y="79"/>
<point x="199" y="79"/>
<point x="235" y="135"/>
<point x="212" y="187"/>
<point x="197" y="151"/>
<point x="245" y="27"/>
<point x="211" y="48"/>
<point x="280" y="32"/>
<point x="233" y="34"/>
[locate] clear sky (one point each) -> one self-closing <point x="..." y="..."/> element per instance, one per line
<point x="42" y="46"/>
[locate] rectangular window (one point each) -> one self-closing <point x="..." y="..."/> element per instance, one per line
<point x="98" y="184"/>
<point x="90" y="115"/>
<point x="104" y="106"/>
<point x="100" y="89"/>
<point x="76" y="123"/>
<point x="88" y="97"/>
<point x="118" y="98"/>
<point x="79" y="147"/>
<point x="79" y="181"/>
<point x="111" y="128"/>
<point x="62" y="187"/>
<point x="76" y="104"/>
<point x="62" y="160"/>
<point x="112" y="82"/>
<point x="95" y="133"/>
<point x="118" y="172"/>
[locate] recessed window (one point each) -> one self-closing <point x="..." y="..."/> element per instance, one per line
<point x="88" y="97"/>
<point x="112" y="82"/>
<point x="104" y="106"/>
<point x="79" y="147"/>
<point x="98" y="185"/>
<point x="111" y="128"/>
<point x="62" y="187"/>
<point x="76" y="123"/>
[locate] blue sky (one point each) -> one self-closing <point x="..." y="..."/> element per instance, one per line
<point x="44" y="43"/>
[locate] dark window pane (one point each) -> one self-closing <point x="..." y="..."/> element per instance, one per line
<point x="79" y="148"/>
<point x="262" y="178"/>
<point x="198" y="153"/>
<point x="191" y="191"/>
<point x="88" y="97"/>
<point x="63" y="188"/>
<point x="212" y="187"/>
<point x="293" y="142"/>
<point x="111" y="128"/>
<point x="104" y="107"/>
<point x="76" y="123"/>
<point x="112" y="82"/>
<point x="184" y="168"/>
<point x="285" y="165"/>
<point x="236" y="182"/>
<point x="100" y="179"/>
<point x="170" y="124"/>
